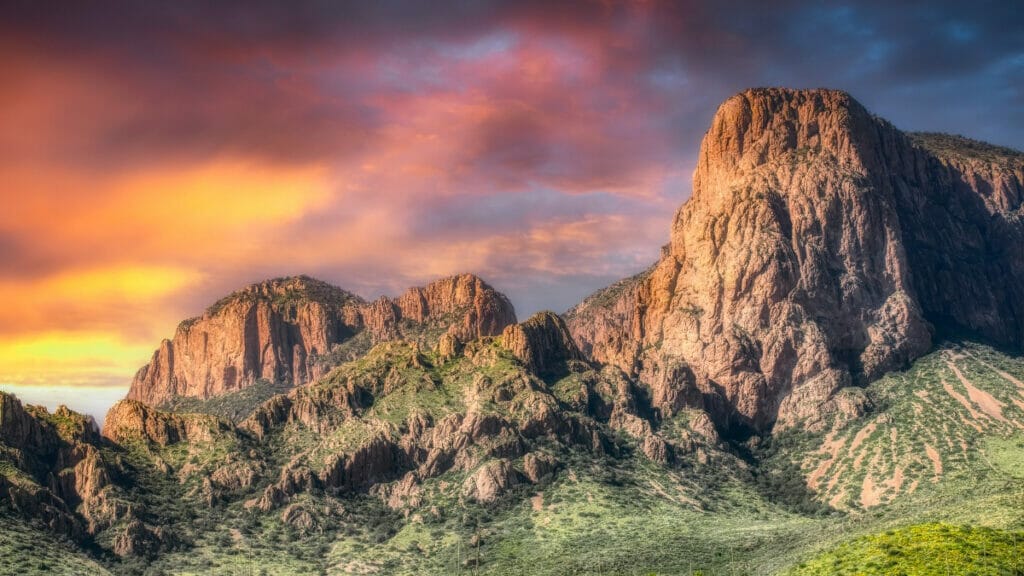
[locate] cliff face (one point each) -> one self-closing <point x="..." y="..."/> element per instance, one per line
<point x="541" y="343"/>
<point x="132" y="420"/>
<point x="273" y="331"/>
<point x="52" y="470"/>
<point x="820" y="248"/>
<point x="283" y="331"/>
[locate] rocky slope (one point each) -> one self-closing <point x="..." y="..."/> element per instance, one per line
<point x="291" y="331"/>
<point x="54" y="471"/>
<point x="821" y="248"/>
<point x="483" y="418"/>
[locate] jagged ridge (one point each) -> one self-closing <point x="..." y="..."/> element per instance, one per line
<point x="288" y="331"/>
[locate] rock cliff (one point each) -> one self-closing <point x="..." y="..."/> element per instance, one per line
<point x="541" y="343"/>
<point x="285" y="330"/>
<point x="52" y="470"/>
<point x="821" y="248"/>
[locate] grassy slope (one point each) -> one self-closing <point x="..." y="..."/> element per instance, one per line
<point x="233" y="405"/>
<point x="925" y="549"/>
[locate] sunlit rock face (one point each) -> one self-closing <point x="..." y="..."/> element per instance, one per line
<point x="282" y="330"/>
<point x="821" y="248"/>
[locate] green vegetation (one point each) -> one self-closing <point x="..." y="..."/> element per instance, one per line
<point x="291" y="291"/>
<point x="234" y="406"/>
<point x="29" y="549"/>
<point x="922" y="550"/>
<point x="932" y="471"/>
<point x="956" y="146"/>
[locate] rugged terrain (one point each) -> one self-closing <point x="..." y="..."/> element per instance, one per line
<point x="821" y="248"/>
<point x="821" y="375"/>
<point x="290" y="330"/>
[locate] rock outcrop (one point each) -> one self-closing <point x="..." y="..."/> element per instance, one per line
<point x="132" y="420"/>
<point x="821" y="248"/>
<point x="541" y="343"/>
<point x="273" y="331"/>
<point x="59" y="475"/>
<point x="284" y="330"/>
<point x="491" y="481"/>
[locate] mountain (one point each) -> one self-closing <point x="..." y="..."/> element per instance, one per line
<point x="821" y="375"/>
<point x="821" y="249"/>
<point x="290" y="331"/>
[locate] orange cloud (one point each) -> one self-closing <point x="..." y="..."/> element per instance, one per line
<point x="137" y="195"/>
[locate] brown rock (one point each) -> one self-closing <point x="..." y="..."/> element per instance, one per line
<point x="542" y="343"/>
<point x="448" y="347"/>
<point x="819" y="248"/>
<point x="281" y="330"/>
<point x="405" y="493"/>
<point x="491" y="481"/>
<point x="19" y="428"/>
<point x="379" y="459"/>
<point x="272" y="331"/>
<point x="298" y="517"/>
<point x="235" y="476"/>
<point x="479" y="309"/>
<point x="130" y="419"/>
<point x="538" y="465"/>
<point x="139" y="539"/>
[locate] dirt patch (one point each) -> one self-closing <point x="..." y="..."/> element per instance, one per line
<point x="896" y="482"/>
<point x="1004" y="375"/>
<point x="836" y="501"/>
<point x="862" y="435"/>
<point x="537" y="502"/>
<point x="831" y="447"/>
<point x="988" y="404"/>
<point x="933" y="455"/>
<point x="857" y="441"/>
<point x="963" y="401"/>
<point x="870" y="493"/>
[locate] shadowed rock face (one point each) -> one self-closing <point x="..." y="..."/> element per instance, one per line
<point x="821" y="248"/>
<point x="281" y="330"/>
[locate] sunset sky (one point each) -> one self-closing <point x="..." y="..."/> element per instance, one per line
<point x="157" y="155"/>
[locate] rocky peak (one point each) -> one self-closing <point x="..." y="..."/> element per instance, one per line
<point x="284" y="330"/>
<point x="464" y="306"/>
<point x="274" y="330"/>
<point x="18" y="427"/>
<point x="480" y="309"/>
<point x="820" y="248"/>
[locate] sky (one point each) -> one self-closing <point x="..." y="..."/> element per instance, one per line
<point x="155" y="156"/>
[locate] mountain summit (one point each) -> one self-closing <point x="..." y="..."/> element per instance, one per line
<point x="289" y="330"/>
<point x="822" y="247"/>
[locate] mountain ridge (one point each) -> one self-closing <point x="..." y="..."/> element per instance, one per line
<point x="283" y="330"/>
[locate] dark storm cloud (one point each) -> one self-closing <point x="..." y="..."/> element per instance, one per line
<point x="302" y="80"/>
